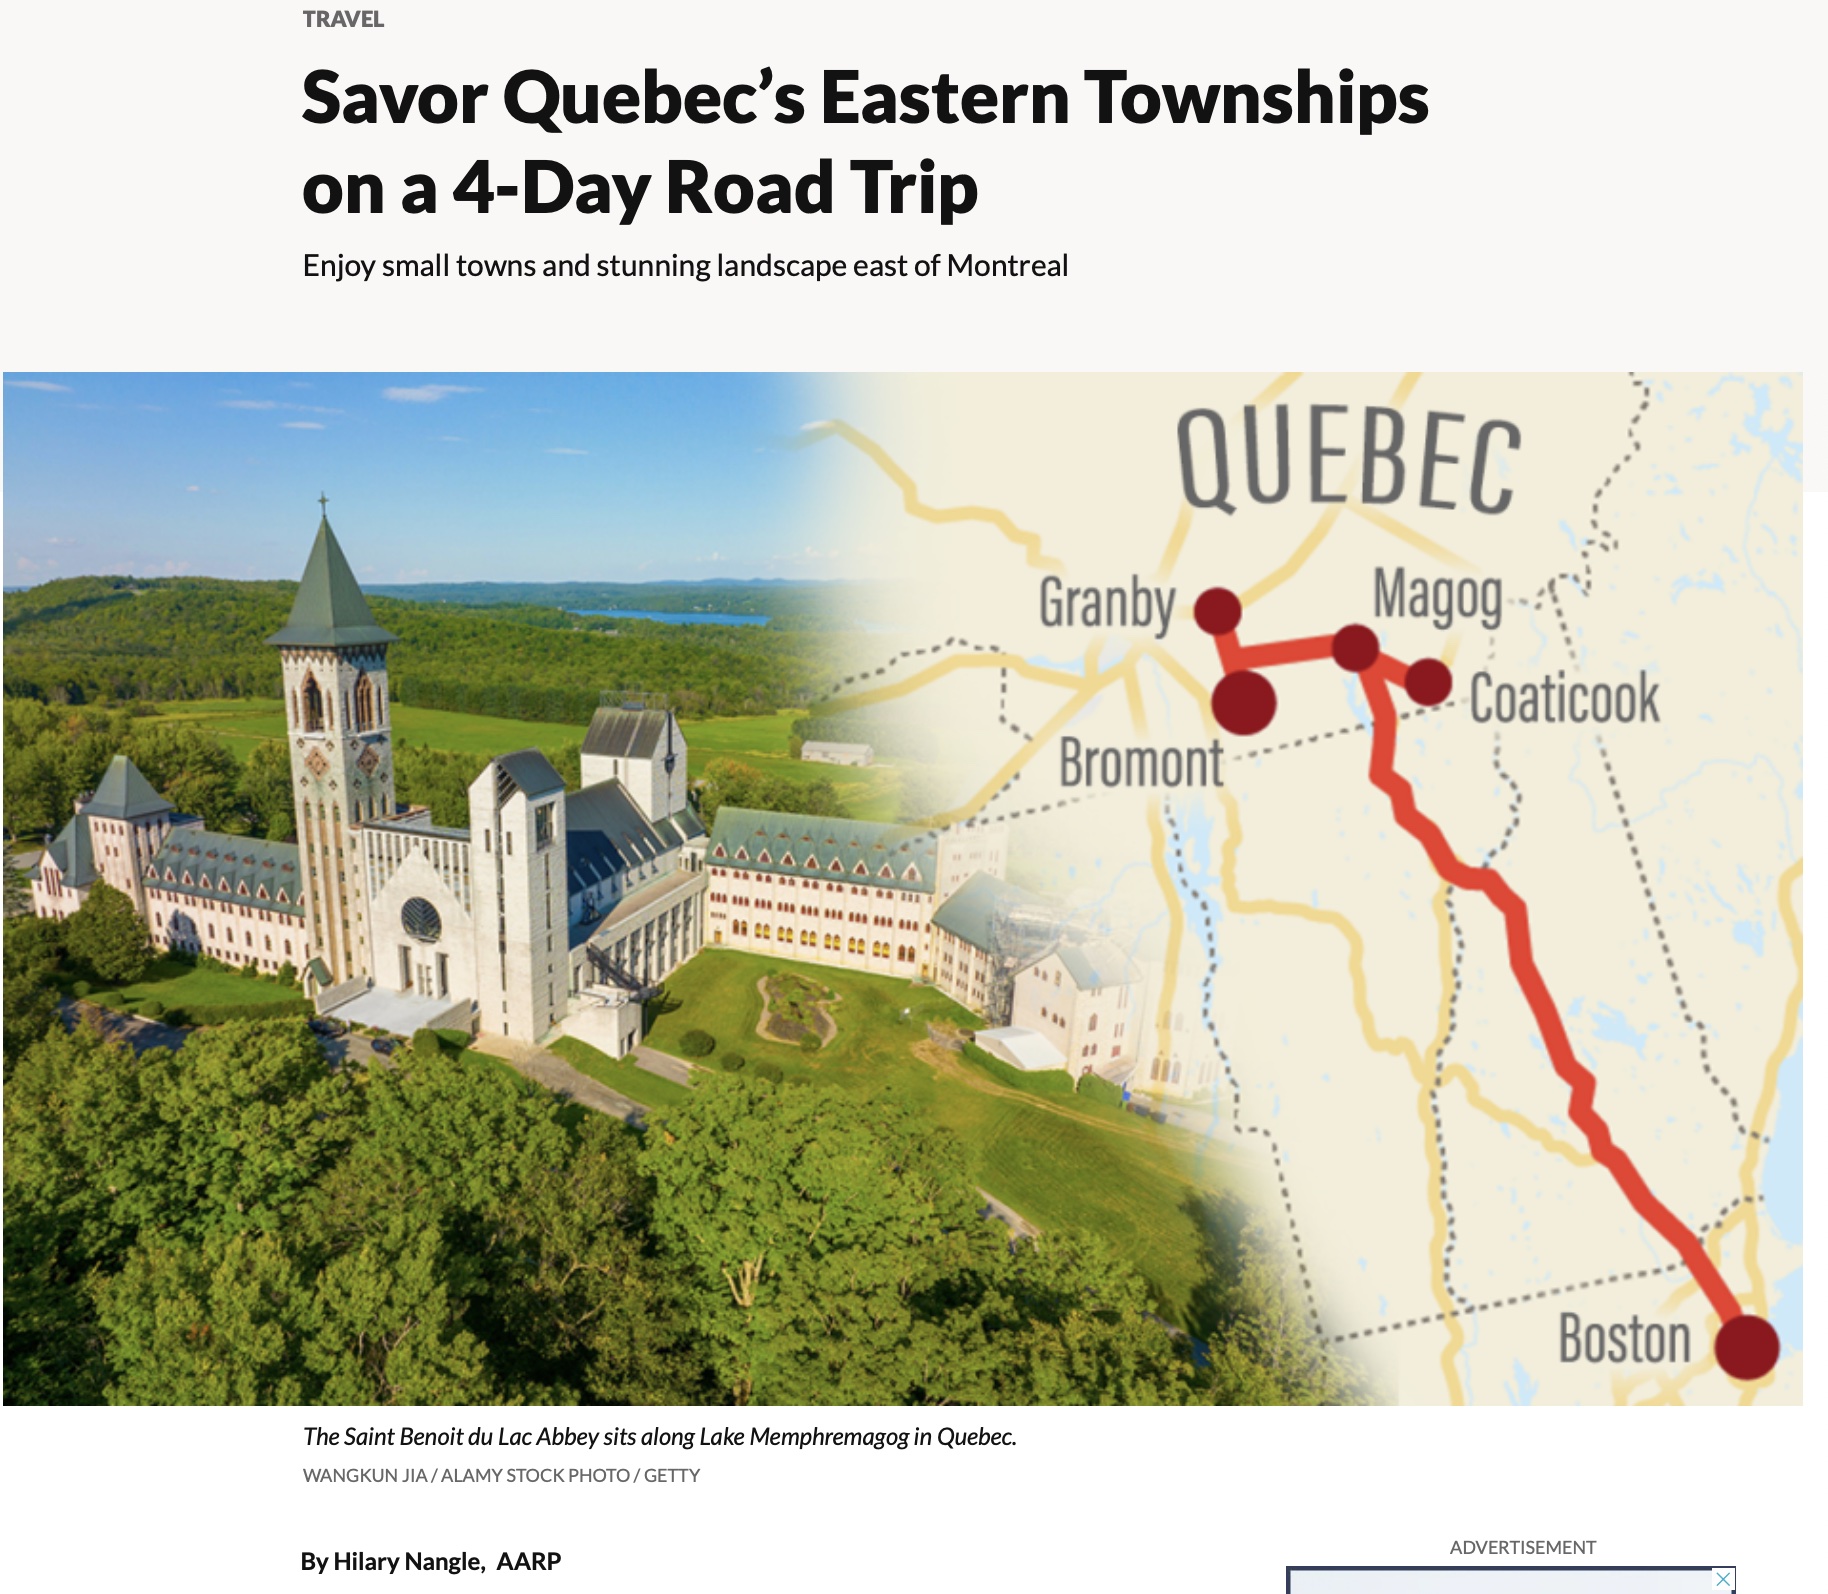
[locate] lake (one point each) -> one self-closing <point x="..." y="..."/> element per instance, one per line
<point x="688" y="617"/>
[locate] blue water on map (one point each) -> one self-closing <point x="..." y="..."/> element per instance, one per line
<point x="1783" y="1172"/>
<point x="1787" y="1311"/>
<point x="693" y="617"/>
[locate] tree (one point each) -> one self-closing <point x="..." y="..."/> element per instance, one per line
<point x="107" y="937"/>
<point x="573" y="1298"/>
<point x="250" y="1119"/>
<point x="1072" y="1325"/>
<point x="34" y="948"/>
<point x="215" y="1324"/>
<point x="727" y="780"/>
<point x="439" y="780"/>
<point x="1264" y="1351"/>
<point x="266" y="790"/>
<point x="192" y="769"/>
<point x="387" y="1326"/>
<point x="814" y="1224"/>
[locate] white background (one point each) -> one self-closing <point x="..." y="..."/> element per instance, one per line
<point x="1596" y="186"/>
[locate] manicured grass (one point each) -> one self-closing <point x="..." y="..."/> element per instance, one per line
<point x="242" y="722"/>
<point x="760" y="740"/>
<point x="757" y="739"/>
<point x="619" y="1073"/>
<point x="1061" y="1159"/>
<point x="177" y="983"/>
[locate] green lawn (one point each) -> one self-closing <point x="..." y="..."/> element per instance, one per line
<point x="178" y="983"/>
<point x="758" y="739"/>
<point x="241" y="722"/>
<point x="1059" y="1158"/>
<point x="619" y="1073"/>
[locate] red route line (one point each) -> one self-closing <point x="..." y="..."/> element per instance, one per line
<point x="1302" y="650"/>
<point x="1580" y="1080"/>
<point x="1377" y="680"/>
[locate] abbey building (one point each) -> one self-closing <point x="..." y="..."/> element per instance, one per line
<point x="556" y="910"/>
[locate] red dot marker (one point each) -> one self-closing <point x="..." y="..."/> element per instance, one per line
<point x="1355" y="648"/>
<point x="1217" y="611"/>
<point x="1746" y="1348"/>
<point x="1428" y="682"/>
<point x="1244" y="702"/>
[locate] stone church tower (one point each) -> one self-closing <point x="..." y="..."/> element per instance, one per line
<point x="334" y="660"/>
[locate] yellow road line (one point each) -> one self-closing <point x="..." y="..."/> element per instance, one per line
<point x="1029" y="542"/>
<point x="1403" y="533"/>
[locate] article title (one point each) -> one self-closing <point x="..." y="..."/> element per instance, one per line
<point x="880" y="186"/>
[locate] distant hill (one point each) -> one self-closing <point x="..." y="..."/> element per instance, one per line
<point x="94" y="639"/>
<point x="822" y="603"/>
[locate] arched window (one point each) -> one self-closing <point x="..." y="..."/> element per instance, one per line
<point x="312" y="705"/>
<point x="1092" y="1022"/>
<point x="367" y="713"/>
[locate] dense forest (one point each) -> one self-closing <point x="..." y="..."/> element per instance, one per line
<point x="117" y="639"/>
<point x="236" y="1223"/>
<point x="53" y="755"/>
<point x="793" y="604"/>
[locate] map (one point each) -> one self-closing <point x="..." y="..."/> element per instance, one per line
<point x="1436" y="742"/>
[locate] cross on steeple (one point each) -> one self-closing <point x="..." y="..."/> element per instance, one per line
<point x="323" y="503"/>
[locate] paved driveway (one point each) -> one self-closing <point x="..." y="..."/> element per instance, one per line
<point x="142" y="1034"/>
<point x="663" y="1064"/>
<point x="558" y="1076"/>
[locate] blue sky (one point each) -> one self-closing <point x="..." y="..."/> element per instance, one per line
<point x="430" y="477"/>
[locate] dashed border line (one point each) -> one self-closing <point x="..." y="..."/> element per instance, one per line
<point x="1453" y="1017"/>
<point x="914" y="653"/>
<point x="1238" y="1126"/>
<point x="1498" y="1303"/>
<point x="1601" y="539"/>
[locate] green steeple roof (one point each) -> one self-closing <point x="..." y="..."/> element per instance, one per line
<point x="329" y="611"/>
<point x="124" y="793"/>
<point x="72" y="853"/>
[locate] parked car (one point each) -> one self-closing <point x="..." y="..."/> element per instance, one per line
<point x="382" y="1045"/>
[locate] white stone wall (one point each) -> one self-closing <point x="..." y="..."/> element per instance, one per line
<point x="51" y="898"/>
<point x="840" y="922"/>
<point x="961" y="970"/>
<point x="123" y="849"/>
<point x="1092" y="1028"/>
<point x="657" y="791"/>
<point x="404" y="962"/>
<point x="342" y="774"/>
<point x="965" y="850"/>
<point x="521" y="940"/>
<point x="234" y="932"/>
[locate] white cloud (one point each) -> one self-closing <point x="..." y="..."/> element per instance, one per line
<point x="303" y="426"/>
<point x="430" y="393"/>
<point x="41" y="387"/>
<point x="581" y="451"/>
<point x="193" y="488"/>
<point x="277" y="404"/>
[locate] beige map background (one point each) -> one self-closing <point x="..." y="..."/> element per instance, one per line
<point x="1361" y="1020"/>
